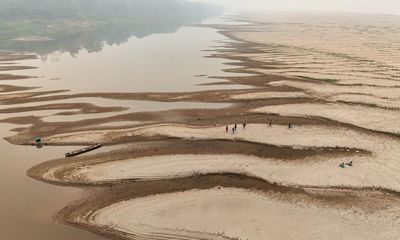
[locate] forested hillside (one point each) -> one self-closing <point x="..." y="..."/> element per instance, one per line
<point x="57" y="19"/>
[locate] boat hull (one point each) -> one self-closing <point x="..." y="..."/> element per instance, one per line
<point x="83" y="150"/>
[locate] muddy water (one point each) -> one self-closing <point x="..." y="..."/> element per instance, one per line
<point x="160" y="62"/>
<point x="28" y="206"/>
<point x="133" y="106"/>
<point x="130" y="105"/>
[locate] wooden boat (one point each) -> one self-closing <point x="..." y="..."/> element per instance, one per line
<point x="83" y="150"/>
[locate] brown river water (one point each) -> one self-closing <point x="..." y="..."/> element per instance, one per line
<point x="27" y="206"/>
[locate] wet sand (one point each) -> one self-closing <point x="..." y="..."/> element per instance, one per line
<point x="180" y="175"/>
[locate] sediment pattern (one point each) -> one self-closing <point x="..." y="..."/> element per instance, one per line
<point x="313" y="104"/>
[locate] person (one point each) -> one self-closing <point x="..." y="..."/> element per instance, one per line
<point x="227" y="128"/>
<point x="290" y="126"/>
<point x="341" y="165"/>
<point x="244" y="125"/>
<point x="350" y="164"/>
<point x="270" y="123"/>
<point x="235" y="126"/>
<point x="233" y="130"/>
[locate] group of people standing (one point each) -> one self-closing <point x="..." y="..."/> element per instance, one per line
<point x="234" y="128"/>
<point x="290" y="126"/>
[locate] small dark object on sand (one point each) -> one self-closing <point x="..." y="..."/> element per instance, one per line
<point x="38" y="140"/>
<point x="83" y="150"/>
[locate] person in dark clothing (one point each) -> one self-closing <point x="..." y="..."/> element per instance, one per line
<point x="227" y="128"/>
<point x="350" y="164"/>
<point x="235" y="126"/>
<point x="244" y="125"/>
<point x="290" y="126"/>
<point x="270" y="123"/>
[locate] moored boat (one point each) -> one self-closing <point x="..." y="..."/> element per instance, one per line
<point x="83" y="150"/>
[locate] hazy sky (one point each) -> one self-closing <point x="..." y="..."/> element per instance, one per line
<point x="374" y="6"/>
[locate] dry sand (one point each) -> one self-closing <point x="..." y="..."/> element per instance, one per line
<point x="348" y="48"/>
<point x="268" y="95"/>
<point x="377" y="169"/>
<point x="366" y="117"/>
<point x="309" y="172"/>
<point x="393" y="104"/>
<point x="324" y="90"/>
<point x="214" y="213"/>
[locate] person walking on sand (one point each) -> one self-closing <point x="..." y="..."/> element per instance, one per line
<point x="270" y="123"/>
<point x="290" y="126"/>
<point x="244" y="125"/>
<point x="233" y="130"/>
<point x="235" y="126"/>
<point x="227" y="128"/>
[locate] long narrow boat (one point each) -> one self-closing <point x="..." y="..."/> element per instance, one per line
<point x="83" y="150"/>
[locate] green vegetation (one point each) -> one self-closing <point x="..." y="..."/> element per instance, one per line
<point x="77" y="24"/>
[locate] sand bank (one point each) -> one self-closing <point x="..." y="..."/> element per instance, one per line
<point x="361" y="116"/>
<point x="217" y="213"/>
<point x="324" y="90"/>
<point x="392" y="104"/>
<point x="268" y="95"/>
<point x="309" y="172"/>
<point x="377" y="169"/>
